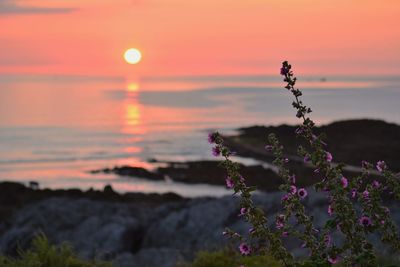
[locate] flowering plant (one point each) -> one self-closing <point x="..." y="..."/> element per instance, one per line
<point x="355" y="207"/>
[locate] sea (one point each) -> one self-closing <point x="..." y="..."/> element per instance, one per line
<point x="56" y="129"/>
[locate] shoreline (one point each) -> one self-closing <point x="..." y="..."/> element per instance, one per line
<point x="368" y="139"/>
<point x="346" y="139"/>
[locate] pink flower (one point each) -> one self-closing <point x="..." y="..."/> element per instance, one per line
<point x="328" y="156"/>
<point x="285" y="234"/>
<point x="293" y="189"/>
<point x="302" y="193"/>
<point x="243" y="211"/>
<point x="280" y="219"/>
<point x="333" y="259"/>
<point x="229" y="182"/>
<point x="284" y="198"/>
<point x="376" y="184"/>
<point x="330" y="210"/>
<point x="344" y="181"/>
<point x="244" y="249"/>
<point x="284" y="71"/>
<point x="365" y="164"/>
<point x="216" y="151"/>
<point x="292" y="179"/>
<point x="286" y="160"/>
<point x="365" y="221"/>
<point x="212" y="137"/>
<point x="306" y="159"/>
<point x="381" y="166"/>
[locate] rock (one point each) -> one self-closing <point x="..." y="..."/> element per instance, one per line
<point x="199" y="226"/>
<point x="134" y="234"/>
<point x="14" y="195"/>
<point x="15" y="239"/>
<point x="108" y="190"/>
<point x="131" y="171"/>
<point x="210" y="172"/>
<point x="93" y="228"/>
<point x="202" y="172"/>
<point x="349" y="141"/>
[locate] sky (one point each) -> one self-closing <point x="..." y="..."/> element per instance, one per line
<point x="68" y="100"/>
<point x="199" y="37"/>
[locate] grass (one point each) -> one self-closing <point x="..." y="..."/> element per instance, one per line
<point x="42" y="254"/>
<point x="228" y="257"/>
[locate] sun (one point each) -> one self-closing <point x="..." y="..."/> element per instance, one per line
<point x="132" y="56"/>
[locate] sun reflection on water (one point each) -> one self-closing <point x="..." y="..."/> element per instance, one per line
<point x="132" y="120"/>
<point x="132" y="87"/>
<point x="132" y="126"/>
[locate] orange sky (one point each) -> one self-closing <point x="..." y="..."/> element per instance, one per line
<point x="199" y="37"/>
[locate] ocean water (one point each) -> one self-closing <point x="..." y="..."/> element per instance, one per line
<point x="55" y="129"/>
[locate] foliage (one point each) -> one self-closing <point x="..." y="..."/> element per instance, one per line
<point x="42" y="254"/>
<point x="355" y="207"/>
<point x="229" y="257"/>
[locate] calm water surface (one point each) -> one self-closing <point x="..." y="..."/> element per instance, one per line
<point x="56" y="129"/>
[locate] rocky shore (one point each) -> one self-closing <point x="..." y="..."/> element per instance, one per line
<point x="200" y="172"/>
<point x="16" y="195"/>
<point x="350" y="142"/>
<point x="136" y="231"/>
